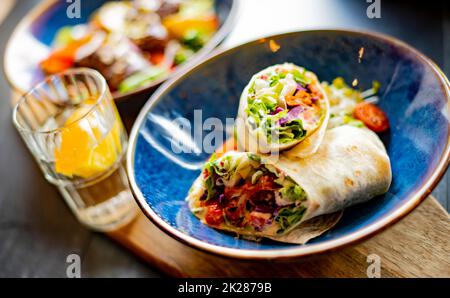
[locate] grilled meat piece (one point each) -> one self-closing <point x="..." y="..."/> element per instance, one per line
<point x="116" y="59"/>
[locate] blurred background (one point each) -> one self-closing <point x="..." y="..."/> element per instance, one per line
<point x="38" y="231"/>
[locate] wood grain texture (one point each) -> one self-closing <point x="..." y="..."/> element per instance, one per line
<point x="417" y="246"/>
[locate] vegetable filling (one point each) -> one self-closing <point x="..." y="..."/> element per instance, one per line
<point x="240" y="191"/>
<point x="284" y="104"/>
<point x="354" y="107"/>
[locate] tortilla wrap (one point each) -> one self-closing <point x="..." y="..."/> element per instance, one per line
<point x="252" y="140"/>
<point x="350" y="167"/>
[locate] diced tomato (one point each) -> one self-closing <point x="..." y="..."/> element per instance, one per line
<point x="205" y="173"/>
<point x="236" y="198"/>
<point x="231" y="192"/>
<point x="63" y="58"/>
<point x="57" y="63"/>
<point x="264" y="183"/>
<point x="157" y="58"/>
<point x="214" y="215"/>
<point x="372" y="116"/>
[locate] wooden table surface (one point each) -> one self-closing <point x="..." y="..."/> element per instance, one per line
<point x="37" y="230"/>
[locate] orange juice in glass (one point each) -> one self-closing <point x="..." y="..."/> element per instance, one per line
<point x="71" y="125"/>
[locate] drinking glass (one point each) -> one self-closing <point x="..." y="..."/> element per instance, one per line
<point x="71" y="126"/>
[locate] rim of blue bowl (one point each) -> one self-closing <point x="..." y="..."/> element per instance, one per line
<point x="300" y="251"/>
<point x="210" y="46"/>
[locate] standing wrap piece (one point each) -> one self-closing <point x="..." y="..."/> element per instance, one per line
<point x="282" y="107"/>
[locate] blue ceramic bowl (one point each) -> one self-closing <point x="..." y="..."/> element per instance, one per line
<point x="414" y="93"/>
<point x="37" y="30"/>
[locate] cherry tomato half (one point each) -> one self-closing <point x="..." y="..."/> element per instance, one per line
<point x="372" y="116"/>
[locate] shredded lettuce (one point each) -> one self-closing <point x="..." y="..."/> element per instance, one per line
<point x="142" y="78"/>
<point x="293" y="130"/>
<point x="254" y="157"/>
<point x="300" y="77"/>
<point x="256" y="176"/>
<point x="293" y="193"/>
<point x="264" y="100"/>
<point x="275" y="79"/>
<point x="288" y="216"/>
<point x="209" y="182"/>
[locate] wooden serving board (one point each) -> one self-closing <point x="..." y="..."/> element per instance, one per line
<point x="417" y="246"/>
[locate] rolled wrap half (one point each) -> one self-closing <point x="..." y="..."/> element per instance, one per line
<point x="282" y="106"/>
<point x="291" y="199"/>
